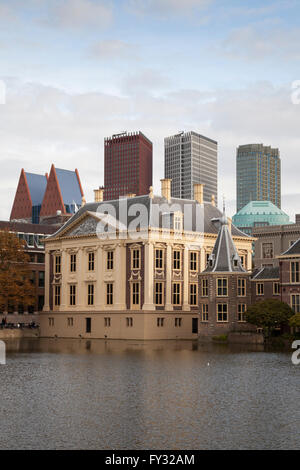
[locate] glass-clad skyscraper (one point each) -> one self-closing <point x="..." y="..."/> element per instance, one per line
<point x="191" y="158"/>
<point x="258" y="169"/>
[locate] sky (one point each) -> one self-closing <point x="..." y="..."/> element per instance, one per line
<point x="75" y="71"/>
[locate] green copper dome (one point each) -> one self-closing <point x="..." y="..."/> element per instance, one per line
<point x="259" y="214"/>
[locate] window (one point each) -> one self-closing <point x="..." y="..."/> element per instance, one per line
<point x="243" y="259"/>
<point x="110" y="260"/>
<point x="160" y="321"/>
<point x="177" y="222"/>
<point x="88" y="325"/>
<point x="57" y="296"/>
<point x="129" y="322"/>
<point x="73" y="263"/>
<point x="222" y="287"/>
<point x="193" y="294"/>
<point x="41" y="279"/>
<point x="91" y="263"/>
<point x="57" y="264"/>
<point x="259" y="288"/>
<point x="109" y="294"/>
<point x="70" y="321"/>
<point x="136" y="259"/>
<point x="176" y="293"/>
<point x="295" y="272"/>
<point x="51" y="321"/>
<point x="72" y="294"/>
<point x="276" y="288"/>
<point x="135" y="293"/>
<point x="158" y="293"/>
<point x="178" y="322"/>
<point x="222" y="312"/>
<point x="295" y="302"/>
<point x="204" y="284"/>
<point x="91" y="289"/>
<point x="241" y="287"/>
<point x="107" y="322"/>
<point x="241" y="312"/>
<point x="193" y="261"/>
<point x="176" y="259"/>
<point x="267" y="250"/>
<point x="41" y="258"/>
<point x="204" y="312"/>
<point x="159" y="259"/>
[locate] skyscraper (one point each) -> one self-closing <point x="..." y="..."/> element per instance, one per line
<point x="191" y="158"/>
<point x="127" y="165"/>
<point x="257" y="175"/>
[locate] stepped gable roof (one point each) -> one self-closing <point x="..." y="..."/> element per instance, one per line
<point x="69" y="186"/>
<point x="37" y="187"/>
<point x="265" y="273"/>
<point x="148" y="203"/>
<point x="224" y="257"/>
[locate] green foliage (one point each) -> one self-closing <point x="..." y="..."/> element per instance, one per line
<point x="294" y="321"/>
<point x="269" y="314"/>
<point x="220" y="338"/>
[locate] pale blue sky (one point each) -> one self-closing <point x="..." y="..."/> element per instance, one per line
<point x="78" y="70"/>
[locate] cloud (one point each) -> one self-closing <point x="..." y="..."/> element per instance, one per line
<point x="261" y="42"/>
<point x="77" y="14"/>
<point x="145" y="81"/>
<point x="111" y="49"/>
<point x="169" y="7"/>
<point x="41" y="124"/>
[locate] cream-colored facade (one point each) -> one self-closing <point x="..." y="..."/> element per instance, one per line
<point x="145" y="287"/>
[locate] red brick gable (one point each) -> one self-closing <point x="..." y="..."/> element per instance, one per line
<point x="53" y="200"/>
<point x="22" y="206"/>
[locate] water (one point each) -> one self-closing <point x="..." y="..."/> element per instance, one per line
<point x="96" y="394"/>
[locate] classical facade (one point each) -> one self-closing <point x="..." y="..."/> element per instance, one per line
<point x="129" y="269"/>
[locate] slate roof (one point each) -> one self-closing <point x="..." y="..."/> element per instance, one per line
<point x="265" y="273"/>
<point x="224" y="257"/>
<point x="37" y="187"/>
<point x="69" y="186"/>
<point x="293" y="249"/>
<point x="149" y="204"/>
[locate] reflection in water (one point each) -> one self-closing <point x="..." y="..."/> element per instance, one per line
<point x="103" y="394"/>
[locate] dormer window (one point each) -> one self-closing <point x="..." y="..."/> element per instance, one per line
<point x="236" y="260"/>
<point x="211" y="260"/>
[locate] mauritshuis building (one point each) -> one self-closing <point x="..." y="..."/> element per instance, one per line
<point x="191" y="158"/>
<point x="147" y="286"/>
<point x="258" y="175"/>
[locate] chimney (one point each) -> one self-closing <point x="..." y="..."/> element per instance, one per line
<point x="130" y="195"/>
<point x="98" y="194"/>
<point x="83" y="201"/>
<point x="166" y="188"/>
<point x="213" y="202"/>
<point x="151" y="192"/>
<point x="198" y="192"/>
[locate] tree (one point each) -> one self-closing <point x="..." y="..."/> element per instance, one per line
<point x="294" y="321"/>
<point x="16" y="287"/>
<point x="269" y="314"/>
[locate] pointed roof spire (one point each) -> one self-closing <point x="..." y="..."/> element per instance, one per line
<point x="224" y="257"/>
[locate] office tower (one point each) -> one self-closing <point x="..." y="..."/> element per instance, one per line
<point x="127" y="165"/>
<point x="191" y="158"/>
<point x="257" y="175"/>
